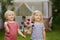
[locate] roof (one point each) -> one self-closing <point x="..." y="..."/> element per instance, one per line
<point x="29" y="0"/>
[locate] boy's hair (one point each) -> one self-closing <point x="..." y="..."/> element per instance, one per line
<point x="23" y="17"/>
<point x="36" y="11"/>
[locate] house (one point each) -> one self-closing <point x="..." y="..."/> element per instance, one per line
<point x="26" y="7"/>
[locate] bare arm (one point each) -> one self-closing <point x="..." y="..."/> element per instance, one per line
<point x="44" y="34"/>
<point x="6" y="27"/>
<point x="29" y="31"/>
<point x="21" y="33"/>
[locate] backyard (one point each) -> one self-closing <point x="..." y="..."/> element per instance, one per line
<point x="50" y="35"/>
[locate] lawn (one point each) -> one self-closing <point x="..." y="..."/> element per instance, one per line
<point x="50" y="35"/>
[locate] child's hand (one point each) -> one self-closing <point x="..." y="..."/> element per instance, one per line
<point x="24" y="37"/>
<point x="28" y="32"/>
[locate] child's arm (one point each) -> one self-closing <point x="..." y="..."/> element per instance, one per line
<point x="44" y="34"/>
<point x="6" y="27"/>
<point x="29" y="28"/>
<point x="29" y="31"/>
<point x="21" y="33"/>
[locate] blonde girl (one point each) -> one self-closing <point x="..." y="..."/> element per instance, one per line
<point x="38" y="28"/>
<point x="11" y="26"/>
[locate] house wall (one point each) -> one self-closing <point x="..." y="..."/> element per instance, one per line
<point x="45" y="8"/>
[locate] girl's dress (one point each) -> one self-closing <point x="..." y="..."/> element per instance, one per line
<point x="12" y="34"/>
<point x="37" y="31"/>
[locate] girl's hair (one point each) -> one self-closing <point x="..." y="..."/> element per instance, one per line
<point x="7" y="12"/>
<point x="35" y="12"/>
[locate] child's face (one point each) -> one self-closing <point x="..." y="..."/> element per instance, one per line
<point x="24" y="19"/>
<point x="10" y="16"/>
<point x="37" y="17"/>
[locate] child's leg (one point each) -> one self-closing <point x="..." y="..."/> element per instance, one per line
<point x="30" y="39"/>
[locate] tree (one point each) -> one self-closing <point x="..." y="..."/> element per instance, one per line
<point x="56" y="11"/>
<point x="4" y="4"/>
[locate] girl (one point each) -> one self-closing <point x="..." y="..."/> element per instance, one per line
<point x="38" y="28"/>
<point x="11" y="27"/>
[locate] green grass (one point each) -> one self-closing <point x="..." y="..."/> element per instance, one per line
<point x="54" y="35"/>
<point x="50" y="35"/>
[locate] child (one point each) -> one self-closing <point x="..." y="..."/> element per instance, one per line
<point x="23" y="20"/>
<point x="23" y="23"/>
<point x="38" y="28"/>
<point x="11" y="26"/>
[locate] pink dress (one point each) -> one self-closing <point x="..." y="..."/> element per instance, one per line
<point x="12" y="34"/>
